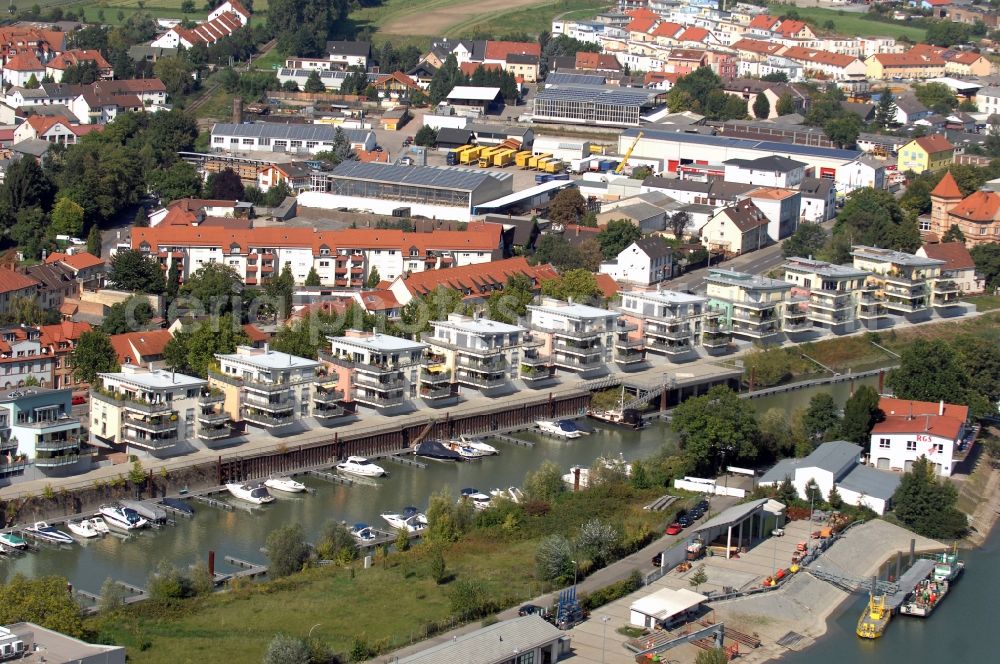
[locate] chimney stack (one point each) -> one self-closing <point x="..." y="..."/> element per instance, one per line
<point x="238" y="110"/>
<point x="941" y="407"/>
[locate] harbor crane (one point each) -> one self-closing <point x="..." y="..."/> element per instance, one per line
<point x="628" y="153"/>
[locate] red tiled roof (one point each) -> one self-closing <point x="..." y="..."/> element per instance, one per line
<point x="907" y="407"/>
<point x="24" y="61"/>
<point x="52" y="335"/>
<point x="758" y="46"/>
<point x="787" y="28"/>
<point x="75" y="57"/>
<point x="501" y="50"/>
<point x="933" y="425"/>
<point x="642" y="12"/>
<point x="79" y="261"/>
<point x="608" y="286"/>
<point x="978" y="206"/>
<point x="966" y="57"/>
<point x="484" y="238"/>
<point x="399" y="77"/>
<point x="380" y="299"/>
<point x="135" y="347"/>
<point x="913" y="58"/>
<point x="947" y="187"/>
<point x="764" y="22"/>
<point x="470" y="276"/>
<point x="667" y="29"/>
<point x="11" y="281"/>
<point x="657" y="76"/>
<point x="694" y="34"/>
<point x="364" y="156"/>
<point x="469" y="68"/>
<point x="256" y="334"/>
<point x="585" y="60"/>
<point x="954" y="254"/>
<point x="818" y="56"/>
<point x="641" y="24"/>
<point x="934" y="143"/>
<point x="211" y="31"/>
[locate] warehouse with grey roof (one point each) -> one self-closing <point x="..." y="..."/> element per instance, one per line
<point x="291" y="138"/>
<point x="594" y="104"/>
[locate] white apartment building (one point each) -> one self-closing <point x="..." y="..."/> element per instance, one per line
<point x="575" y="337"/>
<point x="37" y="428"/>
<point x="904" y="284"/>
<point x="647" y="261"/>
<point x="375" y="370"/>
<point x="912" y="429"/>
<point x="751" y="306"/>
<point x="473" y="353"/>
<point x="667" y="323"/>
<point x="143" y="409"/>
<point x="288" y="138"/>
<point x="824" y="295"/>
<point x="342" y="258"/>
<point x="770" y="171"/>
<point x="265" y="388"/>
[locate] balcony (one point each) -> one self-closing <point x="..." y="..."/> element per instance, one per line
<point x="797" y="323"/>
<point x="8" y="445"/>
<point x="328" y="396"/>
<point x="626" y="344"/>
<point x="327" y="410"/>
<point x="214" y="433"/>
<point x="628" y="356"/>
<point x="913" y="279"/>
<point x="120" y="400"/>
<point x="211" y="418"/>
<point x="754" y="316"/>
<point x="492" y="349"/>
<point x="715" y="339"/>
<point x="486" y="381"/>
<point x="394" y="381"/>
<point x="430" y="359"/>
<point x="579" y="363"/>
<point x="947" y="299"/>
<point x="760" y="331"/>
<point x="379" y="401"/>
<point x="435" y="392"/>
<point x="584" y="333"/>
<point x="669" y="347"/>
<point x="905" y="305"/>
<point x="583" y="350"/>
<point x="830" y="300"/>
<point x="533" y="373"/>
<point x="944" y="286"/>
<point x="71" y="442"/>
<point x="668" y="331"/>
<point x="151" y="443"/>
<point x="56" y="460"/>
<point x="831" y="318"/>
<point x="624" y="326"/>
<point x="428" y="377"/>
<point x="211" y="399"/>
<point x="267" y="388"/>
<point x="268" y="420"/>
<point x="12" y="467"/>
<point x="272" y="404"/>
<point x="157" y="425"/>
<point x="533" y="358"/>
<point x="492" y="363"/>
<point x="871" y="309"/>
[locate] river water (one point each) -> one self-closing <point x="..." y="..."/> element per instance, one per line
<point x="241" y="535"/>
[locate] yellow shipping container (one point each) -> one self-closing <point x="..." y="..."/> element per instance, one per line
<point x="470" y="155"/>
<point x="521" y="160"/>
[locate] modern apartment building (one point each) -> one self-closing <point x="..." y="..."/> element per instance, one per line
<point x="145" y="409"/>
<point x="375" y="370"/>
<point x="24" y="356"/>
<point x="751" y="306"/>
<point x="667" y="323"/>
<point x="575" y="337"/>
<point x="474" y="353"/>
<point x="265" y="388"/>
<point x="903" y="283"/>
<point x="823" y="295"/>
<point x="37" y="429"/>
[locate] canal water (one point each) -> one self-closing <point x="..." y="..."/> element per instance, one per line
<point x="241" y="534"/>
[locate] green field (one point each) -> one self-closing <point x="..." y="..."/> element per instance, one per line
<point x="851" y="24"/>
<point x="532" y="20"/>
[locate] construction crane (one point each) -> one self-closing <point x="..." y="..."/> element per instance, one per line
<point x="628" y="153"/>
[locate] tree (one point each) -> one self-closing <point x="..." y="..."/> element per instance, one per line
<point x="875" y="219"/>
<point x="544" y="484"/>
<point x="225" y="185"/>
<point x="187" y="6"/>
<point x="113" y="596"/>
<point x="374" y="278"/>
<point x="616" y="236"/>
<point x="94" y="241"/>
<point x="509" y="304"/>
<point x="938" y="97"/>
<point x="402" y="542"/>
<point x="173" y="280"/>
<point x="599" y="540"/>
<point x="861" y="413"/>
<point x="336" y="543"/>
<point x="128" y="316"/>
<point x="141" y="218"/>
<point x="987" y="259"/>
<point x="446" y="519"/>
<point x="834" y="498"/>
<point x="29" y="232"/>
<point x="843" y="130"/>
<point x="280" y="290"/>
<point x="813" y="493"/>
<point x="807" y="240"/>
<point x="822" y="416"/>
<point x="567" y="207"/>
<point x="785" y="105"/>
<point x="928" y="505"/>
<point x="775" y="77"/>
<point x="213" y="288"/>
<point x="581" y="285"/>
<point x="438" y="569"/>
<point x="761" y="107"/>
<point x="445" y="78"/>
<point x="193" y="352"/>
<point x="712" y="656"/>
<point x="953" y="234"/>
<point x="980" y="361"/>
<point x="25" y="186"/>
<point x="32" y="83"/>
<point x="175" y="73"/>
<point x="425" y="136"/>
<point x="885" y="111"/>
<point x="287" y="551"/>
<point x="93" y="354"/>
<point x="786" y="492"/>
<point x="45" y="601"/>
<point x="284" y="649"/>
<point x="678" y="224"/>
<point x="166" y="582"/>
<point x="717" y="428"/>
<point x="930" y="371"/>
<point x="132" y="271"/>
<point x="554" y="559"/>
<point x="312" y="279"/>
<point x="180" y="180"/>
<point x="557" y="251"/>
<point x="314" y="83"/>
<point x="67" y="218"/>
<point x="698" y="578"/>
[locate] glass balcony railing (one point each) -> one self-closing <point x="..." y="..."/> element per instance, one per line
<point x="482" y="381"/>
<point x="268" y="420"/>
<point x="379" y="401"/>
<point x="152" y="443"/>
<point x="55" y="460"/>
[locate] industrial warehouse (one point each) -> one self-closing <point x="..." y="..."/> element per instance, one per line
<point x="274" y="137"/>
<point x="594" y="104"/>
<point x="427" y="191"/>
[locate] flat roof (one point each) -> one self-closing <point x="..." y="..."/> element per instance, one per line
<point x="733" y="515"/>
<point x="479" y="326"/>
<point x="572" y="310"/>
<point x="490" y="645"/>
<point x="155" y="379"/>
<point x="15" y="393"/>
<point x="57" y="648"/>
<point x="268" y="359"/>
<point x="733" y="278"/>
<point x="666" y="603"/>
<point x="892" y="256"/>
<point x="823" y="268"/>
<point x="437" y="177"/>
<point x="665" y="296"/>
<point x="379" y="342"/>
<point x="600" y="94"/>
<point x="299" y="132"/>
<point x="473" y="92"/>
<point x="524" y="194"/>
<point x="556" y="78"/>
<point x="773" y="147"/>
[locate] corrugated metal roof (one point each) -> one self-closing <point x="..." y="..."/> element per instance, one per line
<point x="745" y="143"/>
<point x="600" y="95"/>
<point x="871" y="482"/>
<point x="426" y="176"/>
<point x="732" y="515"/>
<point x="296" y="132"/>
<point x="556" y="78"/>
<point x="490" y="645"/>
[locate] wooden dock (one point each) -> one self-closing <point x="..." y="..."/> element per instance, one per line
<point x="510" y="440"/>
<point x="404" y="459"/>
<point x="213" y="502"/>
<point x="249" y="570"/>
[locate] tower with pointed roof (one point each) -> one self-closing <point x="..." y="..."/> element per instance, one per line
<point x="944" y="197"/>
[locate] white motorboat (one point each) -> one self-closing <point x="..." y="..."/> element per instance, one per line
<point x="479" y="500"/>
<point x="465" y="451"/>
<point x="47" y="533"/>
<point x="559" y="428"/>
<point x="512" y="494"/>
<point x="99" y="524"/>
<point x="122" y="517"/>
<point x="12" y="542"/>
<point x="409" y="520"/>
<point x="475" y="443"/>
<point x="82" y="528"/>
<point x="252" y="493"/>
<point x="363" y="532"/>
<point x="286" y="484"/>
<point x="356" y="465"/>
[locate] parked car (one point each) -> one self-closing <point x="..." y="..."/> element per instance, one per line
<point x="530" y="609"/>
<point x="79" y="400"/>
<point x="658" y="560"/>
<point x="684" y="521"/>
<point x="702" y="505"/>
<point x="674" y="528"/>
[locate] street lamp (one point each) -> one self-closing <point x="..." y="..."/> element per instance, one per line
<point x="576" y="568"/>
<point x="604" y="636"/>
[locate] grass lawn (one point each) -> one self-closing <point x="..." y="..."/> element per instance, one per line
<point x="532" y="20"/>
<point x="851" y="24"/>
<point x="386" y="606"/>
<point x="218" y="107"/>
<point x="985" y="302"/>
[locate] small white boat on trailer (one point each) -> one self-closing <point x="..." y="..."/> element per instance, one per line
<point x="286" y="484"/>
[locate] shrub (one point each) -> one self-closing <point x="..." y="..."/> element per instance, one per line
<point x="470" y="600"/>
<point x="287" y="551"/>
<point x="610" y="593"/>
<point x="285" y="649"/>
<point x="554" y="559"/>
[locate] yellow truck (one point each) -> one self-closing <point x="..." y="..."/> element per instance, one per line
<point x="504" y="158"/>
<point x="533" y="162"/>
<point x="471" y="155"/>
<point x="486" y="156"/>
<point x="553" y="166"/>
<point x="521" y="159"/>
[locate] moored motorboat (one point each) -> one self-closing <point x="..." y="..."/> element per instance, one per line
<point x="149" y="511"/>
<point x="559" y="428"/>
<point x="410" y="520"/>
<point x="251" y="493"/>
<point x="82" y="528"/>
<point x="99" y="524"/>
<point x="178" y="505"/>
<point x="435" y="449"/>
<point x="286" y="484"/>
<point x="46" y="533"/>
<point x="478" y="445"/>
<point x="12" y="542"/>
<point x="360" y="466"/>
<point x="119" y="516"/>
<point x="363" y="532"/>
<point x="512" y="494"/>
<point x="467" y="452"/>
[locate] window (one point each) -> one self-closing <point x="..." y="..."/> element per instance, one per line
<point x="911" y="446"/>
<point x="324" y="263"/>
<point x="248" y="141"/>
<point x="311" y="144"/>
<point x="884" y="443"/>
<point x="295" y="144"/>
<point x="925" y="224"/>
<point x="263" y="141"/>
<point x="218" y="140"/>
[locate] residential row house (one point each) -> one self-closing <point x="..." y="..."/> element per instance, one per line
<point x="223" y="21"/>
<point x="24" y="358"/>
<point x="38" y="430"/>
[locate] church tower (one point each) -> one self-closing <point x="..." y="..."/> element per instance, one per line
<point x="945" y="196"/>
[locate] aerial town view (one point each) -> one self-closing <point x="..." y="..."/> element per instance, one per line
<point x="499" y="331"/>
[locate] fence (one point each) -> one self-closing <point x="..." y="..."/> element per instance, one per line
<point x="708" y="486"/>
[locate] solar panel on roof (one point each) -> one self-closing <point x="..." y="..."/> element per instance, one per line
<point x="600" y="95"/>
<point x="579" y="79"/>
<point x="428" y="176"/>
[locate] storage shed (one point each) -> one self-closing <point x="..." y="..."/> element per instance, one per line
<point x="664" y="607"/>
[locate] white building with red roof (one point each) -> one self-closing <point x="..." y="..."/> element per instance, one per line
<point x="53" y="128"/>
<point x="226" y="19"/>
<point x="19" y="69"/>
<point x="57" y="66"/>
<point x="912" y="429"/>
